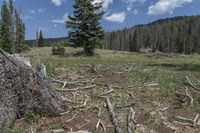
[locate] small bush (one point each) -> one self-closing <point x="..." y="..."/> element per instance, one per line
<point x="22" y="47"/>
<point x="58" y="50"/>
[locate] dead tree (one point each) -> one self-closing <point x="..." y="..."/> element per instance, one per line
<point x="22" y="89"/>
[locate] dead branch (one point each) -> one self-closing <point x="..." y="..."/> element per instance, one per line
<point x="64" y="113"/>
<point x="195" y="120"/>
<point x="80" y="132"/>
<point x="183" y="123"/>
<point x="131" y="94"/>
<point x="113" y="116"/>
<point x="88" y="87"/>
<point x="73" y="117"/>
<point x="130" y="117"/>
<point x="191" y="84"/>
<point x="151" y="84"/>
<point x="191" y="98"/>
<point x="184" y="119"/>
<point x="162" y="110"/>
<point x="83" y="105"/>
<point x="87" y="122"/>
<point x="98" y="76"/>
<point x="100" y="123"/>
<point x="106" y="93"/>
<point x="186" y="95"/>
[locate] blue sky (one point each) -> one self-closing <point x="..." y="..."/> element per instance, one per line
<point x="50" y="15"/>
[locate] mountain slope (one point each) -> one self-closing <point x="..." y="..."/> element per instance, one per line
<point x="171" y="35"/>
<point x="49" y="41"/>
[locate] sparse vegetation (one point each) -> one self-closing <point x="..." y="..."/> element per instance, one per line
<point x="31" y="117"/>
<point x="146" y="84"/>
<point x="58" y="50"/>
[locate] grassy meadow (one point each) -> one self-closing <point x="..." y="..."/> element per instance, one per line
<point x="144" y="81"/>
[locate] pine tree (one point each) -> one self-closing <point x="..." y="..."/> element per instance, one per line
<point x="12" y="23"/>
<point x="37" y="37"/>
<point x="179" y="42"/>
<point x="85" y="27"/>
<point x="6" y="36"/>
<point x="20" y="29"/>
<point x="40" y="39"/>
<point x="20" y="34"/>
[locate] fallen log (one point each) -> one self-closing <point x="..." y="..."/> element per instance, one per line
<point x="21" y="89"/>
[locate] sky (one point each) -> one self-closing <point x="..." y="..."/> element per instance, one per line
<point x="50" y="15"/>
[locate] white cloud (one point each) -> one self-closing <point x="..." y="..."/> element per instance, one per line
<point x="55" y="25"/>
<point x="106" y="3"/>
<point x="61" y="20"/>
<point x="58" y="2"/>
<point x="166" y="6"/>
<point x="32" y="11"/>
<point x="27" y="17"/>
<point x="129" y="7"/>
<point x="41" y="10"/>
<point x="135" y="12"/>
<point x="116" y="17"/>
<point x="132" y="1"/>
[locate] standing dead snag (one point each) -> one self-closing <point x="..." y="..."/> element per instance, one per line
<point x="22" y="89"/>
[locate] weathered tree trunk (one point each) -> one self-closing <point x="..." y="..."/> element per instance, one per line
<point x="21" y="89"/>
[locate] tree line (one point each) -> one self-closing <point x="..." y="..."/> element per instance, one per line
<point x="12" y="29"/>
<point x="170" y="35"/>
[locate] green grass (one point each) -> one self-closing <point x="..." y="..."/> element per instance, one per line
<point x="168" y="72"/>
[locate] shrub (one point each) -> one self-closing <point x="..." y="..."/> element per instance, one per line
<point x="22" y="47"/>
<point x="58" y="50"/>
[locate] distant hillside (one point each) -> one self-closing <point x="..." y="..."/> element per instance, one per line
<point x="171" y="35"/>
<point x="49" y="41"/>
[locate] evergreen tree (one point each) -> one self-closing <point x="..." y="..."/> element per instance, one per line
<point x="40" y="39"/>
<point x="147" y="42"/>
<point x="12" y="29"/>
<point x="12" y="23"/>
<point x="6" y="36"/>
<point x="133" y="42"/>
<point x="20" y="34"/>
<point x="85" y="27"/>
<point x="37" y="37"/>
<point x="179" y="42"/>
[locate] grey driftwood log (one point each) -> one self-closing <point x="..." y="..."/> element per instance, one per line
<point x="21" y="89"/>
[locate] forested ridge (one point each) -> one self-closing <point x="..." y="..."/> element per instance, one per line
<point x="170" y="35"/>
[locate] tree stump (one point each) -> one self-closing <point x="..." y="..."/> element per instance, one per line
<point x="22" y="89"/>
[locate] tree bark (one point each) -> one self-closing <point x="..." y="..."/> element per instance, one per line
<point x="21" y="89"/>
